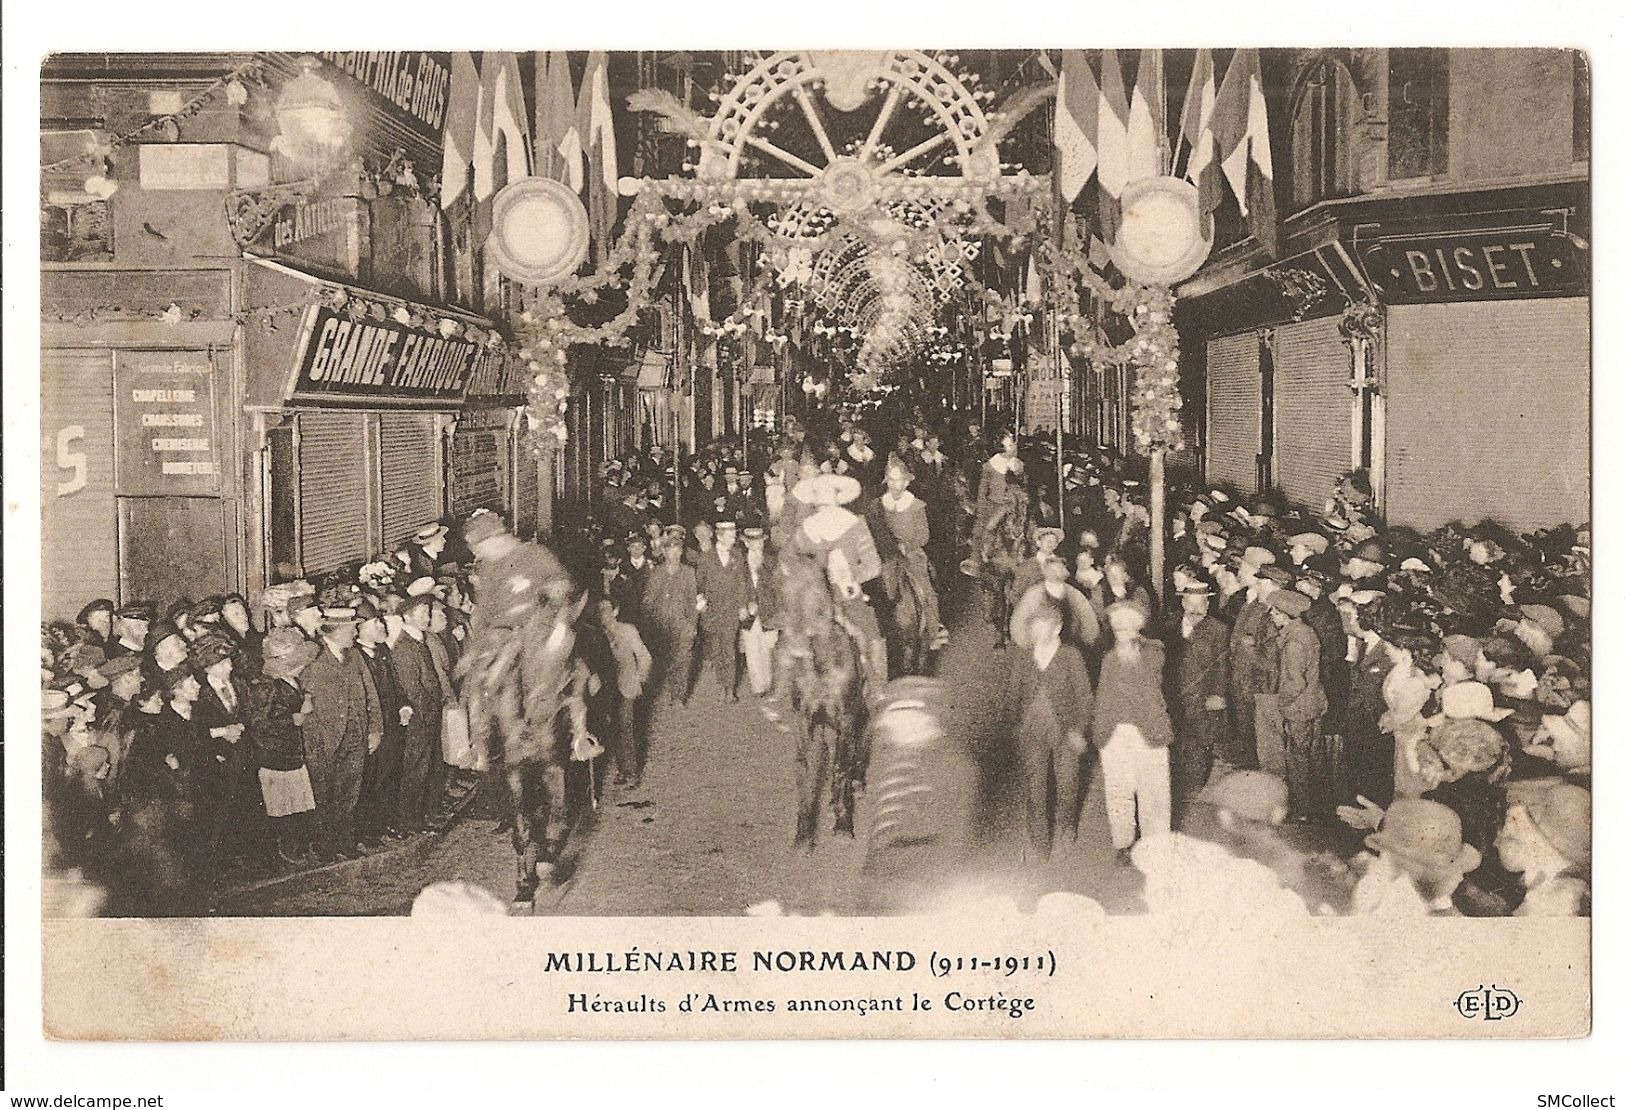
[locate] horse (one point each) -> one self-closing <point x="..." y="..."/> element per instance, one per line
<point x="820" y="664"/>
<point x="1004" y="545"/>
<point x="525" y="689"/>
<point x="908" y="637"/>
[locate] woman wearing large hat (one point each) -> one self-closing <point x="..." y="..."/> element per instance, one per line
<point x="840" y="542"/>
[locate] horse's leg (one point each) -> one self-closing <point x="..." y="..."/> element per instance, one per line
<point x="527" y="851"/>
<point x="810" y="763"/>
<point x="845" y="757"/>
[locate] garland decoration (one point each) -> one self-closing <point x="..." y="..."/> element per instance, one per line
<point x="1156" y="371"/>
<point x="233" y="85"/>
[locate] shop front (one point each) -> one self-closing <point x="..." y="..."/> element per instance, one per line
<point x="137" y="437"/>
<point x="1402" y="337"/>
<point x="364" y="425"/>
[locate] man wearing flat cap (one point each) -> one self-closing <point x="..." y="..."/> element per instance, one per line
<point x="1309" y="757"/>
<point x="130" y="624"/>
<point x="344" y="727"/>
<point x="1252" y="658"/>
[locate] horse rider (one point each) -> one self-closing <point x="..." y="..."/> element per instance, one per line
<point x="904" y="518"/>
<point x="1001" y="480"/>
<point x="520" y="671"/>
<point x="840" y="542"/>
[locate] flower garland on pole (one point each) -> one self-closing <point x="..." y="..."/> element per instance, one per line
<point x="1155" y="357"/>
<point x="1152" y="350"/>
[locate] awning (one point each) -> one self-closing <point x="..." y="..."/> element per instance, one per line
<point x="359" y="347"/>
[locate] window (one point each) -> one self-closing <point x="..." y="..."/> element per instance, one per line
<point x="1418" y="112"/>
<point x="1322" y="121"/>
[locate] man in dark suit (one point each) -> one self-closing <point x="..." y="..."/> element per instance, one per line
<point x="344" y="727"/>
<point x="381" y="783"/>
<point x="669" y="601"/>
<point x="227" y="787"/>
<point x="723" y="588"/>
<point x="1200" y="689"/>
<point x="635" y="572"/>
<point x="423" y="693"/>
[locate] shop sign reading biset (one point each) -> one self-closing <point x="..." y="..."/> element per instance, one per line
<point x="370" y="360"/>
<point x="165" y="423"/>
<point x="1472" y="263"/>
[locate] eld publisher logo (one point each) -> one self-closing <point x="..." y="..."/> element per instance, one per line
<point x="1492" y="1003"/>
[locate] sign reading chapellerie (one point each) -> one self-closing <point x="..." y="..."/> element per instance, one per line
<point x="165" y="423"/>
<point x="381" y="360"/>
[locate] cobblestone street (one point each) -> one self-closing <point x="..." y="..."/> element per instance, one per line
<point x="709" y="830"/>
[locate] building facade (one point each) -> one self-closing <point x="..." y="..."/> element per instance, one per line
<point x="1427" y="316"/>
<point x="250" y="373"/>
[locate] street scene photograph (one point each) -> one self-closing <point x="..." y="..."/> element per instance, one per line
<point x="1088" y="483"/>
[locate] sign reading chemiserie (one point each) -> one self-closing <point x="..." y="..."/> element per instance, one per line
<point x="380" y="359"/>
<point x="165" y="423"/>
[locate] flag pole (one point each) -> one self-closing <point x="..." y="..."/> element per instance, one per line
<point x="1058" y="242"/>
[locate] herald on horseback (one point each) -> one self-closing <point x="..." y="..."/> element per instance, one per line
<point x="903" y="533"/>
<point x="526" y="687"/>
<point x="831" y="651"/>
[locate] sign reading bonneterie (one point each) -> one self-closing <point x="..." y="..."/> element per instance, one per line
<point x="379" y="360"/>
<point x="165" y="423"/>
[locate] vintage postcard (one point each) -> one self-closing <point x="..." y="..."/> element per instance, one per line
<point x="985" y="543"/>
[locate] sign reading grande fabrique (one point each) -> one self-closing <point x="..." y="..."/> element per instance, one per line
<point x="378" y="360"/>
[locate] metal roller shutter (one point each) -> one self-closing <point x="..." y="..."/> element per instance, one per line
<point x="409" y="476"/>
<point x="527" y="485"/>
<point x="332" y="489"/>
<point x="1233" y="411"/>
<point x="1312" y="407"/>
<point x="478" y="472"/>
<point x="78" y="519"/>
<point x="1488" y="413"/>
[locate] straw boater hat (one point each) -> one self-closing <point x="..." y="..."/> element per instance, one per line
<point x="1040" y="533"/>
<point x="827" y="489"/>
<point x="1471" y="701"/>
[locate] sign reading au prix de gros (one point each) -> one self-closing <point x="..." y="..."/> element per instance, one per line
<point x="380" y="359"/>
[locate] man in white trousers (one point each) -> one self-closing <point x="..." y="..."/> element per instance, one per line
<point x="1132" y="731"/>
<point x="761" y="635"/>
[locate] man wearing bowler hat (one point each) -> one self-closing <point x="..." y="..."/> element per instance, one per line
<point x="345" y="725"/>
